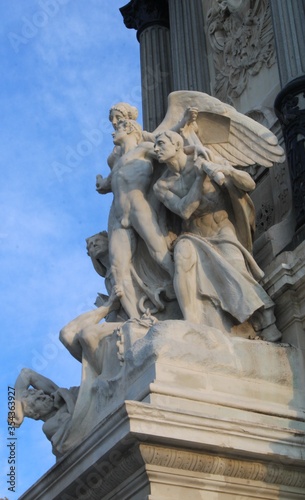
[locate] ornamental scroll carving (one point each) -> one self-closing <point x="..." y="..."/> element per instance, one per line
<point x="240" y="34"/>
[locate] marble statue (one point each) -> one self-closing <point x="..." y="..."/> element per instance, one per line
<point x="210" y="200"/>
<point x="176" y="261"/>
<point x="119" y="112"/>
<point x="39" y="398"/>
<point x="131" y="212"/>
<point x="215" y="273"/>
<point x="97" y="249"/>
<point x="83" y="335"/>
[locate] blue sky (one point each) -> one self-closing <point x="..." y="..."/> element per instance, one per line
<point x="64" y="63"/>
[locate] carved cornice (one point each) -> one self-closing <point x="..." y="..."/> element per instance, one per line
<point x="121" y="452"/>
<point x="272" y="473"/>
<point x="241" y="38"/>
<point x="116" y="472"/>
<point x="140" y="14"/>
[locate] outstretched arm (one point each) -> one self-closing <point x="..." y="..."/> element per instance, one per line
<point x="26" y="379"/>
<point x="224" y="174"/>
<point x="241" y="179"/>
<point x="103" y="186"/>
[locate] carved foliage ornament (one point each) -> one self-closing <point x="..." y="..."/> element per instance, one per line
<point x="241" y="37"/>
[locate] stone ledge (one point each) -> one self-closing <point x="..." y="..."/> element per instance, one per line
<point x="217" y="446"/>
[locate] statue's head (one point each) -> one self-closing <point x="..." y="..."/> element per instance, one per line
<point x="126" y="128"/>
<point x="97" y="245"/>
<point x="36" y="404"/>
<point x="122" y="111"/>
<point x="167" y="145"/>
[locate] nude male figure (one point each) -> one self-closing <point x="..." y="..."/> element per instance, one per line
<point x="131" y="213"/>
<point x="40" y="398"/>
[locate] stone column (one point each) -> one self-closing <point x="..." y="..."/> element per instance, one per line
<point x="289" y="21"/>
<point x="150" y="19"/>
<point x="188" y="45"/>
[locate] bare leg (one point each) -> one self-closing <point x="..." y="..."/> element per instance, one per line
<point x="195" y="308"/>
<point x="146" y="225"/>
<point x="90" y="338"/>
<point x="70" y="334"/>
<point x="121" y="245"/>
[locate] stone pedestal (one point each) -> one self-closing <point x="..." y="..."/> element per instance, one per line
<point x="145" y="451"/>
<point x="208" y="419"/>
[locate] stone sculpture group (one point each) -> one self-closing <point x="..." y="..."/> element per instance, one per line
<point x="176" y="256"/>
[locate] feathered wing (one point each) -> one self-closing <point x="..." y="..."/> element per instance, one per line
<point x="226" y="132"/>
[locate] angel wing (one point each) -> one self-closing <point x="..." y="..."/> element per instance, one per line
<point x="228" y="133"/>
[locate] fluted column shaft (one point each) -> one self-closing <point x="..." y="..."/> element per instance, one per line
<point x="155" y="74"/>
<point x="288" y="21"/>
<point x="150" y="19"/>
<point x="188" y="46"/>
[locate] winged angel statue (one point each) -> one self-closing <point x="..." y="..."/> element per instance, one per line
<point x="216" y="279"/>
<point x="179" y="243"/>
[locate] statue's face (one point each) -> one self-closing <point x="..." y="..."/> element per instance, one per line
<point x="164" y="149"/>
<point x="38" y="405"/>
<point x="97" y="245"/>
<point x="120" y="133"/>
<point x="116" y="117"/>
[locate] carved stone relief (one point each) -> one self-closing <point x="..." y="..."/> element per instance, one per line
<point x="209" y="464"/>
<point x="241" y="38"/>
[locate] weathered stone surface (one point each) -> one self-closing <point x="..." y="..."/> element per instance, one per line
<point x="241" y="37"/>
<point x="178" y="246"/>
<point x="198" y="365"/>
